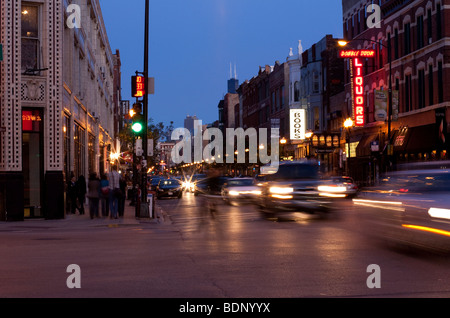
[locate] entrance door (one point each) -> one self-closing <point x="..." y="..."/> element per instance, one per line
<point x="32" y="162"/>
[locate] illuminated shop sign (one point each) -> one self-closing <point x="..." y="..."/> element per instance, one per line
<point x="357" y="53"/>
<point x="358" y="86"/>
<point x="298" y="124"/>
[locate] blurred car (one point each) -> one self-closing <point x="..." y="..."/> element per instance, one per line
<point x="347" y="182"/>
<point x="410" y="207"/>
<point x="169" y="188"/>
<point x="203" y="187"/>
<point x="240" y="191"/>
<point x="298" y="186"/>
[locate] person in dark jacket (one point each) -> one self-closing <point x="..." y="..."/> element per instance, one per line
<point x="81" y="193"/>
<point x="72" y="193"/>
<point x="93" y="195"/>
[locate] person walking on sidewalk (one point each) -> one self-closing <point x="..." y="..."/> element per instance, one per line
<point x="93" y="195"/>
<point x="114" y="192"/>
<point x="104" y="197"/>
<point x="72" y="193"/>
<point x="81" y="193"/>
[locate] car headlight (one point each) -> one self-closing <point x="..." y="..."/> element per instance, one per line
<point x="279" y="190"/>
<point x="332" y="189"/>
<point x="233" y="193"/>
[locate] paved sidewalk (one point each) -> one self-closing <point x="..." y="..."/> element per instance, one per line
<point x="76" y="220"/>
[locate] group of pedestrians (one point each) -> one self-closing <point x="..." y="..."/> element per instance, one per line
<point x="108" y="191"/>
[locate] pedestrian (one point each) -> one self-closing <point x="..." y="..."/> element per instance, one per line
<point x="94" y="186"/>
<point x="81" y="193"/>
<point x="72" y="193"/>
<point x="123" y="189"/>
<point x="104" y="196"/>
<point x="114" y="192"/>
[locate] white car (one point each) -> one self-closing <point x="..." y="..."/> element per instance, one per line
<point x="410" y="206"/>
<point x="240" y="191"/>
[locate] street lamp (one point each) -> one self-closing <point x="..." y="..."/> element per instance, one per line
<point x="348" y="123"/>
<point x="308" y="136"/>
<point x="343" y="43"/>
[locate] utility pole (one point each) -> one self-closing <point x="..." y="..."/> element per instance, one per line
<point x="145" y="102"/>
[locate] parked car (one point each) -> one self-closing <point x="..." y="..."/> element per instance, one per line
<point x="410" y="206"/>
<point x="240" y="191"/>
<point x="347" y="182"/>
<point x="169" y="188"/>
<point x="298" y="186"/>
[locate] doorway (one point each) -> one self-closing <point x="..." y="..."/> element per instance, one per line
<point x="32" y="162"/>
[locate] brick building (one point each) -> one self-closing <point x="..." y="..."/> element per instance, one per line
<point x="412" y="38"/>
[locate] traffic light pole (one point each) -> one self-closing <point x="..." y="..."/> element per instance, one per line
<point x="145" y="102"/>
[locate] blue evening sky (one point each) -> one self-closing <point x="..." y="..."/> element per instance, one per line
<point x="193" y="42"/>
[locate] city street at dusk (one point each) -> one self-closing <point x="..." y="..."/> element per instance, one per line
<point x="255" y="154"/>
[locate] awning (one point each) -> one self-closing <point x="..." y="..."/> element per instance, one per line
<point x="416" y="139"/>
<point x="364" y="148"/>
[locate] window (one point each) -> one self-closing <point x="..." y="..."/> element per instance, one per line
<point x="430" y="85"/>
<point x="389" y="45"/>
<point x="421" y="88"/>
<point x="420" y="43"/>
<point x="396" y="45"/>
<point x="408" y="93"/>
<point x="316" y="84"/>
<point x="30" y="38"/>
<point x="282" y="96"/>
<point x="296" y="92"/>
<point x="440" y="83"/>
<point x="92" y="153"/>
<point x="66" y="130"/>
<point x="79" y="150"/>
<point x="438" y="21"/>
<point x="407" y="38"/>
<point x="273" y="102"/>
<point x="430" y="26"/>
<point x="380" y="53"/>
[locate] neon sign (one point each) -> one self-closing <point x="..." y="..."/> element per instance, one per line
<point x="358" y="86"/>
<point x="137" y="86"/>
<point x="357" y="53"/>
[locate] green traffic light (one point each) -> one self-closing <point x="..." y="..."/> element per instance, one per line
<point x="137" y="127"/>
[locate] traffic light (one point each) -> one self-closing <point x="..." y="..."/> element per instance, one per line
<point x="138" y="124"/>
<point x="137" y="119"/>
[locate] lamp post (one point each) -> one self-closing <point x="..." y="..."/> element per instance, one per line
<point x="308" y="136"/>
<point x="343" y="43"/>
<point x="283" y="142"/>
<point x="348" y="124"/>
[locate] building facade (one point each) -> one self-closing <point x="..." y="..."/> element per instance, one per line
<point x="412" y="56"/>
<point x="56" y="103"/>
<point x="321" y="77"/>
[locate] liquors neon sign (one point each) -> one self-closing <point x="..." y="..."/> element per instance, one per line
<point x="358" y="86"/>
<point x="356" y="56"/>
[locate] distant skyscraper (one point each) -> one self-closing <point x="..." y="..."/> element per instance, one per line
<point x="233" y="82"/>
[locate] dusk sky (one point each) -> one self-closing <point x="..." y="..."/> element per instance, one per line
<point x="193" y="42"/>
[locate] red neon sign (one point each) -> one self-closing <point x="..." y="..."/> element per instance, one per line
<point x="357" y="53"/>
<point x="137" y="86"/>
<point x="358" y="84"/>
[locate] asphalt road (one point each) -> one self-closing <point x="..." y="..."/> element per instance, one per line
<point x="187" y="254"/>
